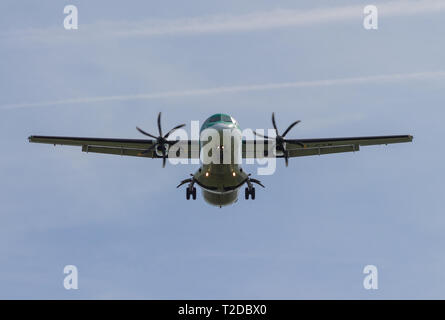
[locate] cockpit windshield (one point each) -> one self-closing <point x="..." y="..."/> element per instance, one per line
<point x="220" y="117"/>
<point x="226" y="118"/>
<point x="215" y="118"/>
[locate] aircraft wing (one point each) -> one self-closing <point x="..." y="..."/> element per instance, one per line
<point x="250" y="148"/>
<point x="311" y="147"/>
<point x="124" y="147"/>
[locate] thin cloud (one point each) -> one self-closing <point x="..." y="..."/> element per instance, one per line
<point x="280" y="18"/>
<point x="214" y="24"/>
<point x="397" y="77"/>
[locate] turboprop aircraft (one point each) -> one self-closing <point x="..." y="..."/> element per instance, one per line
<point x="220" y="174"/>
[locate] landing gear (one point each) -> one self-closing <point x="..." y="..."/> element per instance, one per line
<point x="250" y="189"/>
<point x="250" y="192"/>
<point x="190" y="190"/>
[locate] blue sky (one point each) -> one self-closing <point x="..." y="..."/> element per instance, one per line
<point x="309" y="234"/>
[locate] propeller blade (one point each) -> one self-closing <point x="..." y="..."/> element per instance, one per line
<point x="184" y="182"/>
<point x="172" y="143"/>
<point x="286" y="158"/>
<point x="290" y="127"/>
<point x="175" y="128"/>
<point x="159" y="124"/>
<point x="257" y="182"/>
<point x="164" y="160"/>
<point x="274" y="123"/>
<point x="164" y="157"/>
<point x="146" y="133"/>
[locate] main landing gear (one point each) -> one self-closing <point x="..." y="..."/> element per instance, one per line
<point x="250" y="189"/>
<point x="250" y="192"/>
<point x="190" y="190"/>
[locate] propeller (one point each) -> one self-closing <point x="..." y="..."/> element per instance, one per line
<point x="249" y="181"/>
<point x="161" y="140"/>
<point x="186" y="181"/>
<point x="280" y="140"/>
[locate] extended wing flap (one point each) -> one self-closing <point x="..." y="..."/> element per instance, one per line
<point x="362" y="141"/>
<point x="119" y="151"/>
<point x="323" y="150"/>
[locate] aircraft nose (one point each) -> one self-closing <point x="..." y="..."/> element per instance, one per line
<point x="224" y="130"/>
<point x="222" y="126"/>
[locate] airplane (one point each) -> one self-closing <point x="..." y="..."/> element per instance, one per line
<point x="220" y="181"/>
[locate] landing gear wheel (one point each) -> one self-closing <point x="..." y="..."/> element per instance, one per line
<point x="187" y="194"/>
<point x="194" y="193"/>
<point x="250" y="192"/>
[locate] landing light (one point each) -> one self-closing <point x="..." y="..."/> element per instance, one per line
<point x="207" y="174"/>
<point x="233" y="174"/>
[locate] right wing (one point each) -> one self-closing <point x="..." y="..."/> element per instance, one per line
<point x="311" y="147"/>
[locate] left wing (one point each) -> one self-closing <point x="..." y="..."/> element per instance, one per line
<point x="124" y="147"/>
<point x="310" y="147"/>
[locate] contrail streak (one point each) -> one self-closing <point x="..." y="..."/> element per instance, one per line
<point x="236" y="89"/>
<point x="279" y="18"/>
<point x="214" y="24"/>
